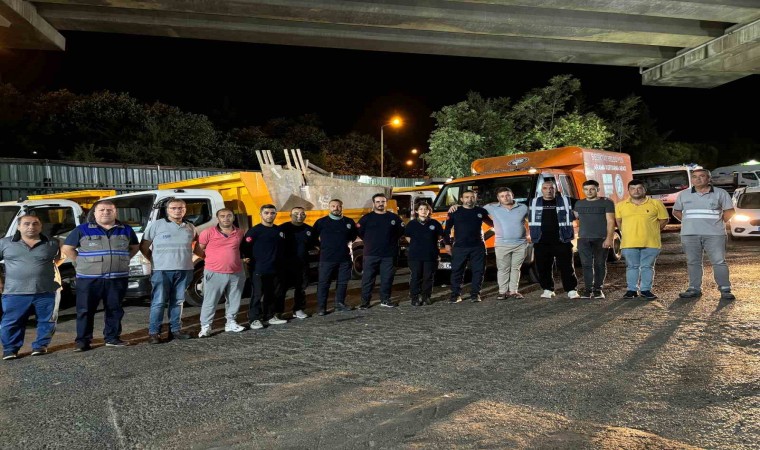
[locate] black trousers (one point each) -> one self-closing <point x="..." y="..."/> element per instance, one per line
<point x="459" y="258"/>
<point x="546" y="255"/>
<point x="264" y="302"/>
<point x="90" y="291"/>
<point x="594" y="262"/>
<point x="385" y="266"/>
<point x="326" y="271"/>
<point x="296" y="277"/>
<point x="421" y="281"/>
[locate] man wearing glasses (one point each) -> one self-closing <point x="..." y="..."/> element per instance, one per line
<point x="168" y="244"/>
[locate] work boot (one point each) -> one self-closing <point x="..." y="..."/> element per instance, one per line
<point x="415" y="301"/>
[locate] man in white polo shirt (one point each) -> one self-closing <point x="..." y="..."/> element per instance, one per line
<point x="703" y="211"/>
<point x="168" y="244"/>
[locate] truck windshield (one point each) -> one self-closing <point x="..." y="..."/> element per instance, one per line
<point x="668" y="182"/>
<point x="7" y="216"/>
<point x="57" y="221"/>
<point x="749" y="201"/>
<point x="135" y="210"/>
<point x="522" y="187"/>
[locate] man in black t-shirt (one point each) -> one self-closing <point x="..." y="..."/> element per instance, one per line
<point x="335" y="233"/>
<point x="299" y="238"/>
<point x="380" y="230"/>
<point x="468" y="245"/>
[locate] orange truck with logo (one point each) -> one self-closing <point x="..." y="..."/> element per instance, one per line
<point x="524" y="173"/>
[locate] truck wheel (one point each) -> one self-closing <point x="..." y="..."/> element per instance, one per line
<point x="615" y="252"/>
<point x="194" y="293"/>
<point x="358" y="264"/>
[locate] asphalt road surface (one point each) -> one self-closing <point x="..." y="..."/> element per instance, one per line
<point x="531" y="373"/>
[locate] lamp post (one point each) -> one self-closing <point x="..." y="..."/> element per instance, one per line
<point x="419" y="156"/>
<point x="395" y="122"/>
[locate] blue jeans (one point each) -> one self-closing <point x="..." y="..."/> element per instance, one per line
<point x="168" y="292"/>
<point x="15" y="314"/>
<point x="639" y="264"/>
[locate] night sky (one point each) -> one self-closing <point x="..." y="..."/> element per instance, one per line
<point x="246" y="84"/>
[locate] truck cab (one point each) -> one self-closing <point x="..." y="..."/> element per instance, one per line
<point x="568" y="167"/>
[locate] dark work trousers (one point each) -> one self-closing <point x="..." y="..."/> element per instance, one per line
<point x="459" y="258"/>
<point x="297" y="277"/>
<point x="594" y="262"/>
<point x="264" y="303"/>
<point x="421" y="281"/>
<point x="90" y="291"/>
<point x="387" y="268"/>
<point x="326" y="272"/>
<point x="545" y="255"/>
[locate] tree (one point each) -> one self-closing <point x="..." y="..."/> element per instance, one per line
<point x="536" y="115"/>
<point x="621" y="117"/>
<point x="452" y="151"/>
<point x="582" y="130"/>
<point x="352" y="154"/>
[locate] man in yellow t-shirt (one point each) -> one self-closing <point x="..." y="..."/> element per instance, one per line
<point x="640" y="220"/>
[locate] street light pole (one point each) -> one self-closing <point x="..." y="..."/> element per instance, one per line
<point x="396" y="122"/>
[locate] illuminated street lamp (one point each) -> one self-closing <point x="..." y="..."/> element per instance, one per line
<point x="409" y="162"/>
<point x="417" y="152"/>
<point x="395" y="123"/>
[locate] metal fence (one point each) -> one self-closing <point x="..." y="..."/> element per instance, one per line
<point x="383" y="181"/>
<point x="21" y="177"/>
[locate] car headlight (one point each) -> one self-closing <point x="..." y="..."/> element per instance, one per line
<point x="139" y="265"/>
<point x="740" y="218"/>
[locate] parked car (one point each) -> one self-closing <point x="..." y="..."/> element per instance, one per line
<point x="746" y="221"/>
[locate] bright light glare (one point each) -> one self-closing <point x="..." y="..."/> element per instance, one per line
<point x="396" y="121"/>
<point x="740" y="218"/>
<point x="409" y="162"/>
<point x="414" y="151"/>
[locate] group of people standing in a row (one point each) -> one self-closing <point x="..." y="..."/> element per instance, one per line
<point x="278" y="256"/>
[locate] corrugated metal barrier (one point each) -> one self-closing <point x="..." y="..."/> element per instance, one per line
<point x="383" y="181"/>
<point x="21" y="177"/>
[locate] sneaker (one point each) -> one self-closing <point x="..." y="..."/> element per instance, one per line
<point x="153" y="339"/>
<point x="648" y="295"/>
<point x="343" y="307"/>
<point x="9" y="355"/>
<point x="727" y="295"/>
<point x="233" y="327"/>
<point x="691" y="292"/>
<point x="585" y="293"/>
<point x="630" y="294"/>
<point x="82" y="348"/>
<point x="205" y="331"/>
<point x="414" y="301"/>
<point x="597" y="294"/>
<point x="300" y="314"/>
<point x="573" y="294"/>
<point x="387" y="304"/>
<point x="457" y="299"/>
<point x="257" y="325"/>
<point x="276" y="321"/>
<point x="39" y="351"/>
<point x="117" y="343"/>
<point x="425" y="301"/>
<point x="179" y="336"/>
<point x="547" y="294"/>
<point x="501" y="296"/>
<point x="476" y="299"/>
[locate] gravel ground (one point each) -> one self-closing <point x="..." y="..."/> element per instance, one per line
<point x="532" y="373"/>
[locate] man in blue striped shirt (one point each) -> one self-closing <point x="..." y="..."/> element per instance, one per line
<point x="101" y="249"/>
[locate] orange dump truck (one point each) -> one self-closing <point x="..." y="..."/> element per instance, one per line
<point x="524" y="173"/>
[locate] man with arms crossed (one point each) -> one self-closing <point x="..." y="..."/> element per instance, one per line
<point x="703" y="211"/>
<point x="223" y="272"/>
<point x="299" y="239"/>
<point x="596" y="234"/>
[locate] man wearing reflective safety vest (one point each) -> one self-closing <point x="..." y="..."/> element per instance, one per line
<point x="703" y="211"/>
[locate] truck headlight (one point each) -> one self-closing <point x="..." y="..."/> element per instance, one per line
<point x="139" y="266"/>
<point x="740" y="218"/>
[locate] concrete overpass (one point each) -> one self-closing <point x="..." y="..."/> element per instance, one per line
<point x="690" y="43"/>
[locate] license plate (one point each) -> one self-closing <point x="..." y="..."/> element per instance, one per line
<point x="444" y="265"/>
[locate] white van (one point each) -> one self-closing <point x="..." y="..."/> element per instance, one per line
<point x="747" y="175"/>
<point x="664" y="183"/>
